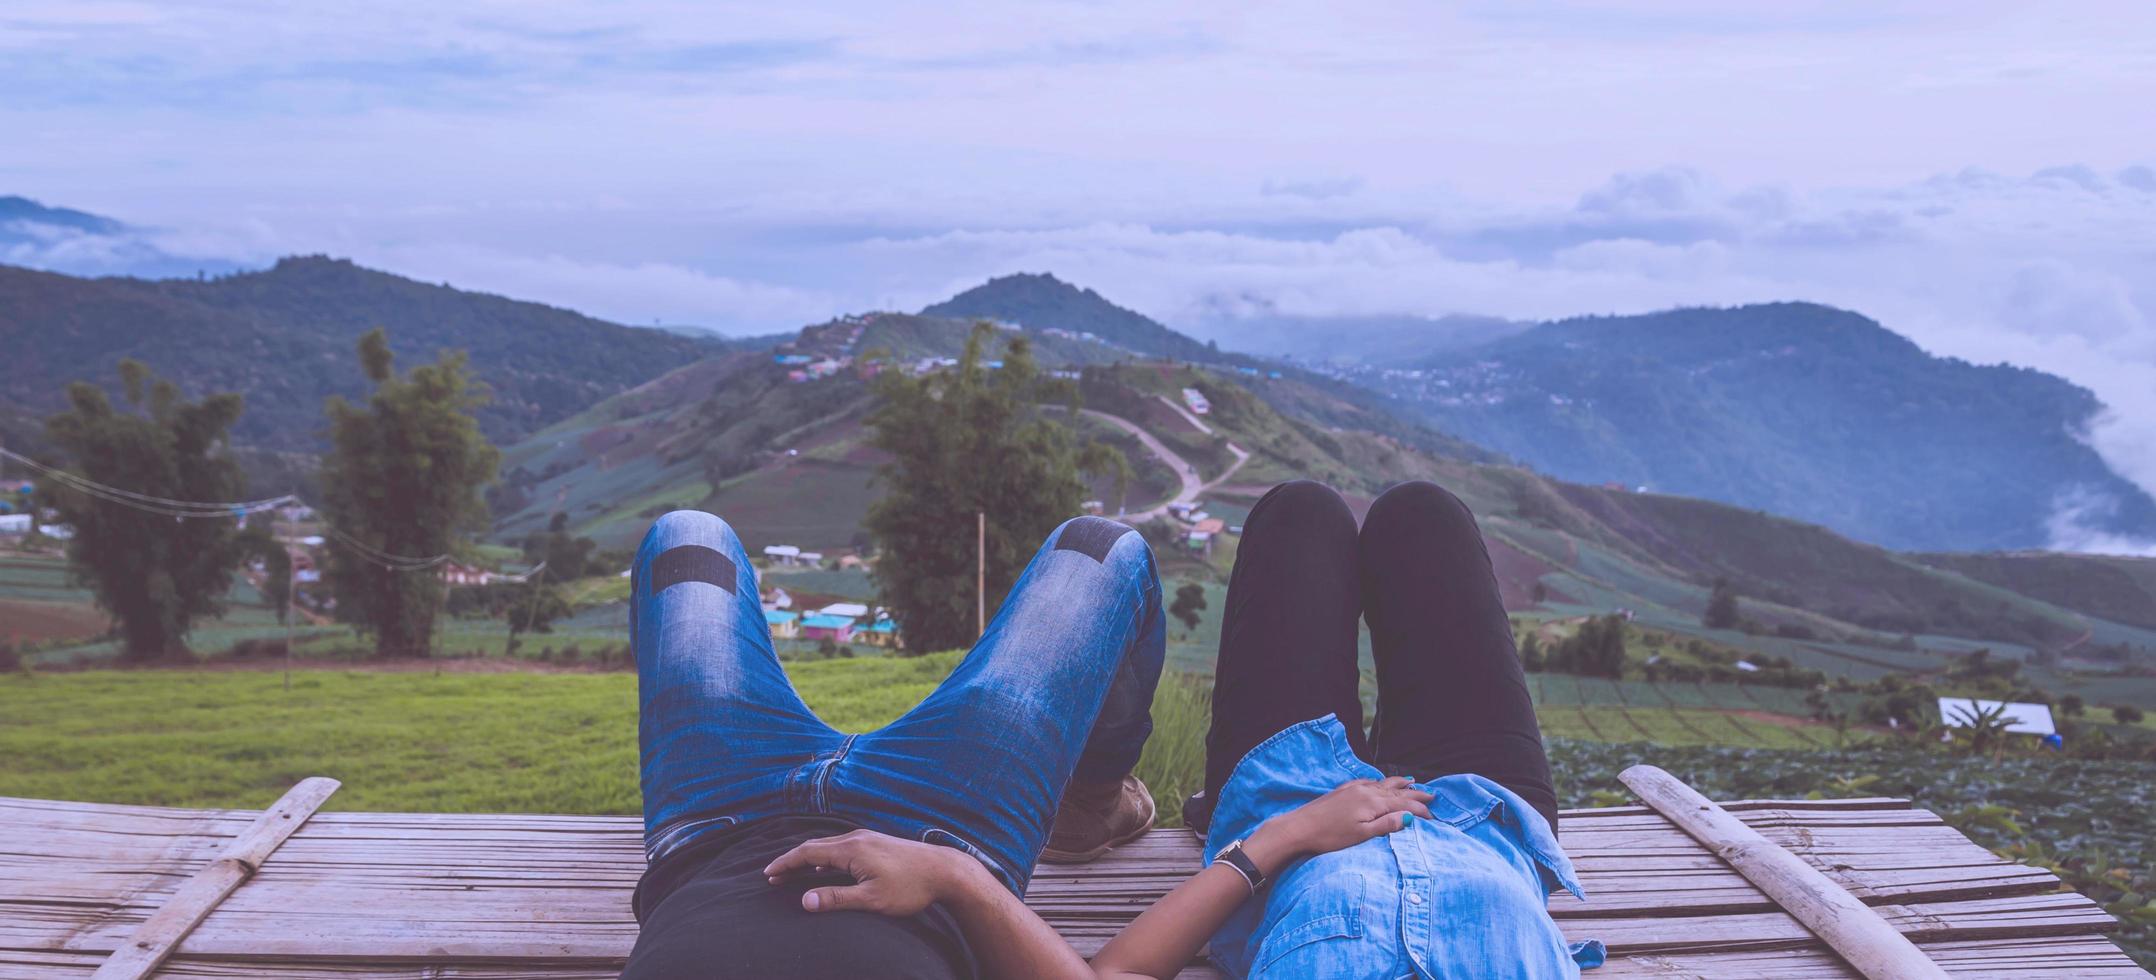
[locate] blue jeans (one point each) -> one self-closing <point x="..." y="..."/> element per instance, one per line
<point x="1060" y="687"/>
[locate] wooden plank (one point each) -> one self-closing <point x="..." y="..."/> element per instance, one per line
<point x="162" y="932"/>
<point x="2084" y="958"/>
<point x="1863" y="937"/>
<point x="458" y="895"/>
<point x="2081" y="957"/>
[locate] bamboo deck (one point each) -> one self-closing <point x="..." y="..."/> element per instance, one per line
<point x="380" y="895"/>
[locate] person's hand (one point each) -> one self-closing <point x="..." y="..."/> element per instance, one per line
<point x="891" y="876"/>
<point x="1353" y="812"/>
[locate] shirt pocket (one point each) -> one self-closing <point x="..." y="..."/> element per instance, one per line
<point x="1315" y="931"/>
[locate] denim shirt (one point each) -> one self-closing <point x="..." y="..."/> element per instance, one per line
<point x="1461" y="896"/>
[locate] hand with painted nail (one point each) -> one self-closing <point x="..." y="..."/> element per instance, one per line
<point x="890" y="875"/>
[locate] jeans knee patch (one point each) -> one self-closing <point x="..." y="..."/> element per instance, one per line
<point x="691" y="563"/>
<point x="1091" y="536"/>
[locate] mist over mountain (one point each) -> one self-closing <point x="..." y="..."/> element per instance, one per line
<point x="76" y="242"/>
<point x="1795" y="408"/>
<point x="1377" y="339"/>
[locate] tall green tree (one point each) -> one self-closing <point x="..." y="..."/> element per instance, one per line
<point x="966" y="441"/>
<point x="153" y="573"/>
<point x="404" y="476"/>
<point x="1189" y="602"/>
<point x="1722" y="610"/>
<point x="566" y="555"/>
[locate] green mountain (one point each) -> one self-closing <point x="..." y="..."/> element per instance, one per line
<point x="1041" y="302"/>
<point x="284" y="336"/>
<point x="1793" y="408"/>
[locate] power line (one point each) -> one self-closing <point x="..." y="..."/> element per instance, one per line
<point x="198" y="509"/>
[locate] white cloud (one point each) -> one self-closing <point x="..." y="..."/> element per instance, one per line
<point x="2076" y="524"/>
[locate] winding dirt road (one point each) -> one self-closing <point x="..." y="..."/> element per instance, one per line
<point x="1192" y="487"/>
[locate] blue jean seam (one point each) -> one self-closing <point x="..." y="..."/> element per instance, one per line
<point x="819" y="799"/>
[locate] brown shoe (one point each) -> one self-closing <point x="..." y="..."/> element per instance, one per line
<point x="1096" y="817"/>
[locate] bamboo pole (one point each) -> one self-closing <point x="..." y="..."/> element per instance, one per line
<point x="160" y="934"/>
<point x="1866" y="940"/>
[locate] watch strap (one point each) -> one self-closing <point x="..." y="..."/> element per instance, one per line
<point x="1235" y="857"/>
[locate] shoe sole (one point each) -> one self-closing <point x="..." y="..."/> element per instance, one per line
<point x="1152" y="814"/>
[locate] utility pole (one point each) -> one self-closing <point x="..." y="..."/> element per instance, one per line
<point x="291" y="600"/>
<point x="980" y="575"/>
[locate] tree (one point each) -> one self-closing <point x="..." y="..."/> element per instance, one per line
<point x="2072" y="706"/>
<point x="532" y="607"/>
<point x="1596" y="649"/>
<point x="967" y="441"/>
<point x="1531" y="654"/>
<point x="404" y="477"/>
<point x="154" y="573"/>
<point x="2126" y="714"/>
<point x="1721" y="607"/>
<point x="1189" y="602"/>
<point x="567" y="556"/>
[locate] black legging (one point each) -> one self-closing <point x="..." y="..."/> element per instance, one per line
<point x="1451" y="695"/>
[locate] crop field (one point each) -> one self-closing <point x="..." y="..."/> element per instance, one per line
<point x="1672" y="713"/>
<point x="59" y="623"/>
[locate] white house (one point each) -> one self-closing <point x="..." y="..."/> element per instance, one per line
<point x="783" y="554"/>
<point x="2031" y="719"/>
<point x="15" y="524"/>
<point x="850" y="610"/>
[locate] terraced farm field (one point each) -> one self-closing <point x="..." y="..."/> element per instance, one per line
<point x="1604" y="710"/>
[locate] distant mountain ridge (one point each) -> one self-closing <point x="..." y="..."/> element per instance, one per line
<point x="18" y="212"/>
<point x="283" y="337"/>
<point x="1795" y="408"/>
<point x="80" y="243"/>
<point x="1041" y="301"/>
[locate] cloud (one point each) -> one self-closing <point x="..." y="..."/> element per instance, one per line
<point x="2077" y="523"/>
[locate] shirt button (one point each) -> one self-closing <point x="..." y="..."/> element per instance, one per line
<point x="1414" y="898"/>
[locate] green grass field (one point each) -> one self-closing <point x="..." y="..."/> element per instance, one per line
<point x="517" y="741"/>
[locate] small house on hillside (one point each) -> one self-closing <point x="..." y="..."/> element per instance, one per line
<point x="784" y="625"/>
<point x="818" y="626"/>
<point x="850" y="610"/>
<point x="881" y="633"/>
<point x="15" y="525"/>
<point x="782" y="554"/>
<point x="1196" y="400"/>
<point x="458" y="573"/>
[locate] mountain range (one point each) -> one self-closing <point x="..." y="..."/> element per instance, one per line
<point x="1793" y="408"/>
<point x="1790" y="408"/>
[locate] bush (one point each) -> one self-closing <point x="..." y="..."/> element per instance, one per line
<point x="2127" y="714"/>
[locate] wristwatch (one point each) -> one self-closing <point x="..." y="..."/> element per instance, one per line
<point x="1233" y="856"/>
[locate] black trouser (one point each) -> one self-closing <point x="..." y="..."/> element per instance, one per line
<point x="1451" y="695"/>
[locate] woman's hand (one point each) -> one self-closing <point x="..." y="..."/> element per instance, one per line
<point x="1353" y="812"/>
<point x="891" y="876"/>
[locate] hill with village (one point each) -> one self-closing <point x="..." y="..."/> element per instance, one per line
<point x="616" y="425"/>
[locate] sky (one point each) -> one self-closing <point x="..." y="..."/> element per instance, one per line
<point x="1979" y="176"/>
